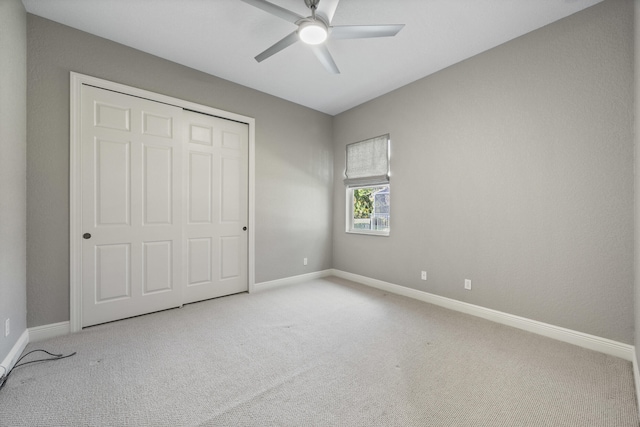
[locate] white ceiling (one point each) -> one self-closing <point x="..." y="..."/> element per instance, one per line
<point x="221" y="37"/>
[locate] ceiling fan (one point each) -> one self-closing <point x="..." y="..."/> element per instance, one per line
<point x="315" y="29"/>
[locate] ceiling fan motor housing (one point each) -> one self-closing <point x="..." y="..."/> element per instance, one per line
<point x="312" y="4"/>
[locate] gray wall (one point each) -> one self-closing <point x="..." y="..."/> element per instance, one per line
<point x="13" y="166"/>
<point x="636" y="75"/>
<point x="293" y="159"/>
<point x="513" y="169"/>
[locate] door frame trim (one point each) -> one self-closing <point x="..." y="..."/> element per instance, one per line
<point x="75" y="184"/>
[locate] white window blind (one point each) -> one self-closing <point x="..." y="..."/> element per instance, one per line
<point x="368" y="161"/>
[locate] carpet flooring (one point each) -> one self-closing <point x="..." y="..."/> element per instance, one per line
<point x="328" y="352"/>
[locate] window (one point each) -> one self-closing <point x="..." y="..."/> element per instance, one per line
<point x="369" y="209"/>
<point x="368" y="189"/>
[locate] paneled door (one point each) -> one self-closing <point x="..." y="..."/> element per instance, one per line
<point x="164" y="206"/>
<point x="215" y="207"/>
<point x="132" y="221"/>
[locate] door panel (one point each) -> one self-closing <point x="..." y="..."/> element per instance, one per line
<point x="157" y="264"/>
<point x="199" y="134"/>
<point x="229" y="257"/>
<point x="217" y="207"/>
<point x="200" y="256"/>
<point x="200" y="188"/>
<point x="113" y="277"/>
<point x="131" y="188"/>
<point x="157" y="176"/>
<point x="231" y="203"/>
<point x="157" y="125"/>
<point x="112" y="116"/>
<point x="113" y="176"/>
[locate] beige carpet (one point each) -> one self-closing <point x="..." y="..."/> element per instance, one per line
<point x="325" y="353"/>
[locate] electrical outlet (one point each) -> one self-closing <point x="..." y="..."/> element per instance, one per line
<point x="6" y="328"/>
<point x="467" y="284"/>
<point x="304" y="261"/>
<point x="423" y="275"/>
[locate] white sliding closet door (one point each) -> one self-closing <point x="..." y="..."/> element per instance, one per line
<point x="215" y="207"/>
<point x="131" y="211"/>
<point x="164" y="201"/>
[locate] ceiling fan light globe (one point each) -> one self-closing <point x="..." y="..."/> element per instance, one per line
<point x="312" y="33"/>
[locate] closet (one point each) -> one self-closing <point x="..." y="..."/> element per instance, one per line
<point x="163" y="205"/>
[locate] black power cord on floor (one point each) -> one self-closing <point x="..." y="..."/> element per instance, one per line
<point x="5" y="375"/>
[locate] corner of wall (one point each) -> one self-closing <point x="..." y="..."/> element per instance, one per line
<point x="636" y="214"/>
<point x="13" y="142"/>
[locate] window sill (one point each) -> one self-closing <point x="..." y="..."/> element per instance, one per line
<point x="369" y="232"/>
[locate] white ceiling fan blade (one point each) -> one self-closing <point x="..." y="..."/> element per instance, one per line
<point x="275" y="10"/>
<point x="364" y="31"/>
<point x="284" y="43"/>
<point x="323" y="55"/>
<point x="327" y="8"/>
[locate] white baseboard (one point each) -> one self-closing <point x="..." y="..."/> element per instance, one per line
<point x="581" y="339"/>
<point x="293" y="280"/>
<point x="39" y="333"/>
<point x="15" y="352"/>
<point x="44" y="332"/>
<point x="592" y="342"/>
<point x="636" y="376"/>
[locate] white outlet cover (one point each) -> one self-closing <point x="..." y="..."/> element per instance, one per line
<point x="423" y="275"/>
<point x="467" y="284"/>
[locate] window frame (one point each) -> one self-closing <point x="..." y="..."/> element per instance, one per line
<point x="349" y="210"/>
